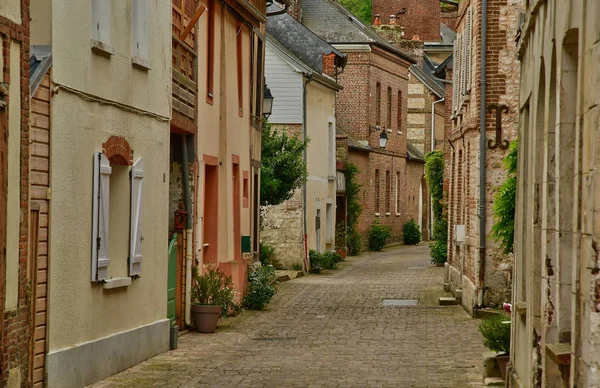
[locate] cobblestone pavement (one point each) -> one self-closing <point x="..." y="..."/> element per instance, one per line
<point x="330" y="330"/>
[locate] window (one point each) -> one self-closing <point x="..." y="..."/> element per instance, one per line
<point x="124" y="185"/>
<point x="240" y="73"/>
<point x="139" y="29"/>
<point x="389" y="108"/>
<point x="378" y="104"/>
<point x="388" y="188"/>
<point x="257" y="79"/>
<point x="329" y="222"/>
<point x="399" y="114"/>
<point x="331" y="150"/>
<point x="101" y="21"/>
<point x="376" y="191"/>
<point x="397" y="193"/>
<point x="245" y="190"/>
<point x="210" y="57"/>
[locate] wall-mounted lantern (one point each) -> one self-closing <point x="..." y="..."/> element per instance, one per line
<point x="180" y="219"/>
<point x="267" y="102"/>
<point x="383" y="139"/>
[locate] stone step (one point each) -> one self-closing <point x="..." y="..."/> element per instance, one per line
<point x="494" y="382"/>
<point x="448" y="301"/>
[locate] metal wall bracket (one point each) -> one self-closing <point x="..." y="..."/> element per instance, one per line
<point x="499" y="109"/>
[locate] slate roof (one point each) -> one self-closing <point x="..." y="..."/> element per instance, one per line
<point x="301" y="41"/>
<point x="336" y="25"/>
<point x="448" y="35"/>
<point x="40" y="60"/>
<point x="413" y="153"/>
<point x="426" y="80"/>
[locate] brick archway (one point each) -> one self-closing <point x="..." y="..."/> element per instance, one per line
<point x="118" y="151"/>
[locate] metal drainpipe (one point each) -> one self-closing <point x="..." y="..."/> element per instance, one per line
<point x="188" y="231"/>
<point x="304" y="156"/>
<point x="432" y="149"/>
<point x="482" y="152"/>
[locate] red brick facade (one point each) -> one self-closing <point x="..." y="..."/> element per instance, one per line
<point x="357" y="114"/>
<point x="462" y="152"/>
<point x="419" y="18"/>
<point x="15" y="325"/>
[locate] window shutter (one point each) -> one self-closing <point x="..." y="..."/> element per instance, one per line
<point x="463" y="66"/>
<point x="136" y="236"/>
<point x="101" y="21"/>
<point x="454" y="77"/>
<point x="139" y="29"/>
<point x="101" y="190"/>
<point x="469" y="60"/>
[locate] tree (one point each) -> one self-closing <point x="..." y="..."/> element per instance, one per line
<point x="434" y="174"/>
<point x="503" y="230"/>
<point x="283" y="170"/>
<point x="360" y="8"/>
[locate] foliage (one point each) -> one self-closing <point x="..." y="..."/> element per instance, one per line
<point x="360" y="8"/>
<point x="267" y="254"/>
<point x="378" y="236"/>
<point x="340" y="236"/>
<point x="283" y="170"/>
<point x="496" y="333"/>
<point x="320" y="261"/>
<point x="213" y="288"/>
<point x="353" y="210"/>
<point x="411" y="232"/>
<point x="434" y="174"/>
<point x="503" y="208"/>
<point x="297" y="267"/>
<point x="260" y="290"/>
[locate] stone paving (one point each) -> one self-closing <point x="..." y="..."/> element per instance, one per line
<point x="330" y="330"/>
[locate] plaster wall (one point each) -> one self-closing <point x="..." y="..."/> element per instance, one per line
<point x="13" y="210"/>
<point x="11" y="9"/>
<point x="41" y="22"/>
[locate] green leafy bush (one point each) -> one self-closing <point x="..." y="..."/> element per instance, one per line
<point x="297" y="267"/>
<point x="260" y="290"/>
<point x="496" y="333"/>
<point x="353" y="210"/>
<point x="378" y="236"/>
<point x="503" y="208"/>
<point x="331" y="259"/>
<point x="412" y="233"/>
<point x="354" y="243"/>
<point x="316" y="261"/>
<point x="438" y="251"/>
<point x="213" y="288"/>
<point x="267" y="254"/>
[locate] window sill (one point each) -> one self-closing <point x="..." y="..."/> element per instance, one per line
<point x="559" y="353"/>
<point x="109" y="284"/>
<point x="102" y="48"/>
<point x="387" y="214"/>
<point x="521" y="308"/>
<point x="399" y="132"/>
<point x="376" y="214"/>
<point x="140" y="63"/>
<point x="331" y="178"/>
<point x="389" y="131"/>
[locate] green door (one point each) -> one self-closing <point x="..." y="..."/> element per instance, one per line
<point x="171" y="280"/>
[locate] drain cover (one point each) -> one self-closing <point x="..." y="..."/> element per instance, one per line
<point x="399" y="302"/>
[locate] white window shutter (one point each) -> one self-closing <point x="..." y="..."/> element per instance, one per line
<point x="139" y="29"/>
<point x="101" y="21"/>
<point x="469" y="59"/>
<point x="136" y="236"/>
<point x="101" y="191"/>
<point x="463" y="65"/>
<point x="454" y="77"/>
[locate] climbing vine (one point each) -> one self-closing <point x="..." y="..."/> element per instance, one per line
<point x="503" y="209"/>
<point x="434" y="174"/>
<point x="354" y="209"/>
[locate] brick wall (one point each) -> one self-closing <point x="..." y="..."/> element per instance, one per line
<point x="15" y="333"/>
<point x="462" y="159"/>
<point x="450" y="18"/>
<point x="421" y="18"/>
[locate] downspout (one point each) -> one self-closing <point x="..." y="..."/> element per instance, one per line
<point x="188" y="230"/>
<point x="304" y="156"/>
<point x="482" y="152"/>
<point x="432" y="149"/>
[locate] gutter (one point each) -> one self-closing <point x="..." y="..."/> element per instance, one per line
<point x="304" y="157"/>
<point x="482" y="153"/>
<point x="432" y="149"/>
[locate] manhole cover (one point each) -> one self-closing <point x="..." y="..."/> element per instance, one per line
<point x="399" y="302"/>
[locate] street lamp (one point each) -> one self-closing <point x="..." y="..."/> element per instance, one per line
<point x="383" y="139"/>
<point x="267" y="102"/>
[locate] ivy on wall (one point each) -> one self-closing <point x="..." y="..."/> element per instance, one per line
<point x="353" y="209"/>
<point x="434" y="174"/>
<point x="503" y="209"/>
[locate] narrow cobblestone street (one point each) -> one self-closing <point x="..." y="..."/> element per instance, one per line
<point x="331" y="330"/>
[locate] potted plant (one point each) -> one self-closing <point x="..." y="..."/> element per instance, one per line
<point x="496" y="337"/>
<point x="212" y="295"/>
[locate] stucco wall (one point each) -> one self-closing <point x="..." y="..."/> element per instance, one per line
<point x="11" y="9"/>
<point x="41" y="22"/>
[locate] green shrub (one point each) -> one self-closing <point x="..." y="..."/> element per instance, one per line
<point x="316" y="261"/>
<point x="354" y="243"/>
<point x="378" y="236"/>
<point x="438" y="251"/>
<point x="353" y="209"/>
<point x="297" y="267"/>
<point x="331" y="259"/>
<point x="412" y="233"/>
<point x="504" y="205"/>
<point x="496" y="333"/>
<point x="260" y="290"/>
<point x="213" y="288"/>
<point x="267" y="254"/>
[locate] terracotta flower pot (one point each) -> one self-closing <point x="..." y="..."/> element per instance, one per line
<point x="205" y="318"/>
<point x="342" y="252"/>
<point x="502" y="361"/>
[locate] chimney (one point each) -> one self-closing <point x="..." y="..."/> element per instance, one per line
<point x="393" y="20"/>
<point x="329" y="64"/>
<point x="377" y="21"/>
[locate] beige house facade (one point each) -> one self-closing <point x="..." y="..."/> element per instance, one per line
<point x="556" y="306"/>
<point x="107" y="158"/>
<point x="304" y="106"/>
